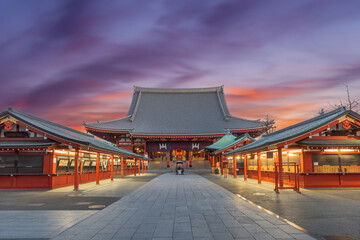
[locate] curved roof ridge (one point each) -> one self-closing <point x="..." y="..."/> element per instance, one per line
<point x="12" y="110"/>
<point x="307" y="121"/>
<point x="244" y="119"/>
<point x="179" y="90"/>
<point x="109" y="121"/>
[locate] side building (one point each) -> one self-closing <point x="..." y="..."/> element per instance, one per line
<point x="174" y="124"/>
<point x="320" y="152"/>
<point x="36" y="153"/>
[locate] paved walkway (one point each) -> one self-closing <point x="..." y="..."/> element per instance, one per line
<point x="181" y="207"/>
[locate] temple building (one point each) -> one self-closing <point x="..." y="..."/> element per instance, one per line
<point x="174" y="124"/>
<point x="36" y="153"/>
<point x="320" y="152"/>
<point x="227" y="143"/>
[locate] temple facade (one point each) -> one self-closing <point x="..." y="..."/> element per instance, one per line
<point x="323" y="151"/>
<point x="37" y="153"/>
<point x="174" y="124"/>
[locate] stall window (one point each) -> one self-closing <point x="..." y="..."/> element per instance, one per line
<point x="7" y="164"/>
<point x="30" y="164"/>
<point x="350" y="162"/>
<point x="62" y="164"/>
<point x="328" y="163"/>
<point x="252" y="163"/>
<point x="86" y="166"/>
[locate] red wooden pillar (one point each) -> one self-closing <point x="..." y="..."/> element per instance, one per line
<point x="212" y="163"/>
<point x="281" y="182"/>
<point x="142" y="166"/>
<point x="122" y="167"/>
<point x="221" y="164"/>
<point x="53" y="170"/>
<point x="139" y="167"/>
<point x="135" y="167"/>
<point x="76" y="170"/>
<point x="112" y="168"/>
<point x="190" y="158"/>
<point x="146" y="163"/>
<point x="97" y="167"/>
<point x="245" y="167"/>
<point x="259" y="167"/>
<point x="235" y="167"/>
<point x="168" y="156"/>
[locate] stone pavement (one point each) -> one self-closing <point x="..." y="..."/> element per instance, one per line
<point x="181" y="207"/>
<point x="38" y="224"/>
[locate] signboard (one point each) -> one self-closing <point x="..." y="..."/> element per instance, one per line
<point x="167" y="146"/>
<point x="16" y="134"/>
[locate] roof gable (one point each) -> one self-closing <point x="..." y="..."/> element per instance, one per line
<point x="297" y="130"/>
<point x="63" y="134"/>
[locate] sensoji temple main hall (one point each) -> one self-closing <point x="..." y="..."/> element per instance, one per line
<point x="174" y="124"/>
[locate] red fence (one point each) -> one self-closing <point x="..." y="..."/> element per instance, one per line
<point x="291" y="179"/>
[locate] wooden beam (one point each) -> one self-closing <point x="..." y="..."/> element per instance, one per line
<point x="76" y="170"/>
<point x="112" y="168"/>
<point x="245" y="167"/>
<point x="235" y="166"/>
<point x="281" y="182"/>
<point x="259" y="166"/>
<point x="97" y="168"/>
<point x="122" y="167"/>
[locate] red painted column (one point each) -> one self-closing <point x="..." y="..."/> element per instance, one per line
<point x="245" y="167"/>
<point x="190" y="158"/>
<point x="122" y="167"/>
<point x="259" y="167"/>
<point x="76" y="170"/>
<point x="53" y="159"/>
<point x="139" y="167"/>
<point x="235" y="166"/>
<point x="146" y="166"/>
<point x="168" y="156"/>
<point x="281" y="181"/>
<point x="142" y="166"/>
<point x="135" y="167"/>
<point x="221" y="164"/>
<point x="97" y="167"/>
<point x="112" y="168"/>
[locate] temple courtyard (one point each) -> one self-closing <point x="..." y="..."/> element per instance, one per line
<point x="169" y="206"/>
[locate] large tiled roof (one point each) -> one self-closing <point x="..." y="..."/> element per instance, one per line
<point x="177" y="111"/>
<point x="295" y="130"/>
<point x="65" y="133"/>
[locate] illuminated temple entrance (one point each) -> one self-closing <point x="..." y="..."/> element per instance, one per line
<point x="174" y="124"/>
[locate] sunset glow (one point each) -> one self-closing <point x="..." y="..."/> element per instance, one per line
<point x="74" y="61"/>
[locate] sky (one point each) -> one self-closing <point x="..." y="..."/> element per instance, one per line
<point x="74" y="61"/>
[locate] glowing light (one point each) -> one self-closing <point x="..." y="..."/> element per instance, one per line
<point x="331" y="150"/>
<point x="347" y="150"/>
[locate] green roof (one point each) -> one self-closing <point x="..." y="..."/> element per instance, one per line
<point x="236" y="141"/>
<point x="222" y="142"/>
<point x="330" y="142"/>
<point x="296" y="130"/>
<point x="26" y="144"/>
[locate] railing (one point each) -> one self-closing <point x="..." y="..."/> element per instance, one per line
<point x="291" y="179"/>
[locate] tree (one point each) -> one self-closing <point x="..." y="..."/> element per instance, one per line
<point x="321" y="111"/>
<point x="350" y="103"/>
<point x="268" y="125"/>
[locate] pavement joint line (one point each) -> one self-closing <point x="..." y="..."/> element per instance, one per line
<point x="254" y="185"/>
<point x="274" y="214"/>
